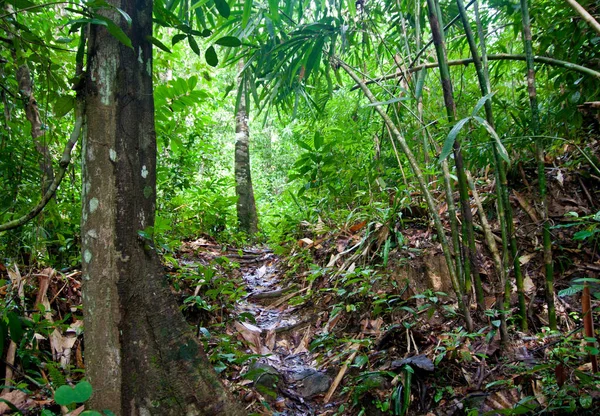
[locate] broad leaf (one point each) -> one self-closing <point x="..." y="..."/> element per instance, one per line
<point x="499" y="146"/>
<point x="211" y="56"/>
<point x="116" y="31"/>
<point x="66" y="395"/>
<point x="447" y="148"/>
<point x="63" y="105"/>
<point x="15" y="325"/>
<point x="178" y="38"/>
<point x="481" y="102"/>
<point x="246" y="13"/>
<point x="274" y="10"/>
<point x="231" y="41"/>
<point x="318" y="140"/>
<point x="223" y="8"/>
<point x="193" y="44"/>
<point x="158" y="44"/>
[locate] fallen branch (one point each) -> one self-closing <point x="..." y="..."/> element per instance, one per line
<point x="271" y="294"/>
<point x="341" y="373"/>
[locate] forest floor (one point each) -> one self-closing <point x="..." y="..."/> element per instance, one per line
<point x="353" y="319"/>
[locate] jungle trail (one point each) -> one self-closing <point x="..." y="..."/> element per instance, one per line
<point x="299" y="207"/>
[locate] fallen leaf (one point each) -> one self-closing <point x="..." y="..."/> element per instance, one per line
<point x="16" y="397"/>
<point x="251" y="335"/>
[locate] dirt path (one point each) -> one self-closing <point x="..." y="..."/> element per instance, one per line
<point x="282" y="334"/>
<point x="287" y="374"/>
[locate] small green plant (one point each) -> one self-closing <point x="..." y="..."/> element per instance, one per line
<point x="71" y="396"/>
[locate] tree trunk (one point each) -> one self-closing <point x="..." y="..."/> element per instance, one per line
<point x="141" y="356"/>
<point x="246" y="207"/>
<point x="33" y="116"/>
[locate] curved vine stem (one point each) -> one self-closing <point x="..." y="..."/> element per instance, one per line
<point x="60" y="174"/>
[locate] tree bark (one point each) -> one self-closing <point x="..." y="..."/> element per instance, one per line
<point x="246" y="206"/>
<point x="141" y="356"/>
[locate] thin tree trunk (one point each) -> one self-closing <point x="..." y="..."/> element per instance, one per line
<point x="141" y="356"/>
<point x="470" y="261"/>
<point x="540" y="158"/>
<point x="246" y="206"/>
<point x="428" y="197"/>
<point x="33" y="116"/>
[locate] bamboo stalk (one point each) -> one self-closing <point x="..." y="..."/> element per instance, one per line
<point x="423" y="186"/>
<point x="540" y="158"/>
<point x="491" y="243"/>
<point x="470" y="262"/>
<point x="585" y="15"/>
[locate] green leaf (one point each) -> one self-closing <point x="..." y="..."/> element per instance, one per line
<point x="318" y="140"/>
<point x="447" y="148"/>
<point x="223" y="8"/>
<point x="352" y="7"/>
<point x="3" y="336"/>
<point x="231" y="41"/>
<point x="193" y="44"/>
<point x="420" y="83"/>
<point x="15" y="326"/>
<point x="117" y="32"/>
<point x="274" y="10"/>
<point x="582" y="235"/>
<point x="246" y="13"/>
<point x="305" y="146"/>
<point x="178" y="38"/>
<point x="21" y="4"/>
<point x="63" y="105"/>
<point x="315" y="56"/>
<point x="158" y="44"/>
<point x="90" y="413"/>
<point x="585" y="401"/>
<point x="66" y="395"/>
<point x="125" y="15"/>
<point x="499" y="146"/>
<point x="211" y="56"/>
<point x="11" y="406"/>
<point x="570" y="291"/>
<point x="481" y="102"/>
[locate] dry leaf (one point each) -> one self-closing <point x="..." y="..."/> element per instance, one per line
<point x="358" y="226"/>
<point x="16" y="397"/>
<point x="305" y="242"/>
<point x="526" y="258"/>
<point x="251" y="335"/>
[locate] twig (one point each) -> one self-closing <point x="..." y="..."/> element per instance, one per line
<point x="341" y="373"/>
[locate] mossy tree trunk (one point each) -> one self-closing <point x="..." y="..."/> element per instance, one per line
<point x="141" y="357"/>
<point x="246" y="206"/>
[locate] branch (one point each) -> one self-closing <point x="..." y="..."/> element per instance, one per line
<point x="496" y="57"/>
<point x="585" y="15"/>
<point x="63" y="164"/>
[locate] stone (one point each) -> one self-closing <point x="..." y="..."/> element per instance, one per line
<point x="314" y="383"/>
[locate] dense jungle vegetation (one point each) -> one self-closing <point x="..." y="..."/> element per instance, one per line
<point x="299" y="207"/>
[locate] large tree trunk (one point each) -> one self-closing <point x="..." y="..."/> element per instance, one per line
<point x="246" y="207"/>
<point x="141" y="356"/>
